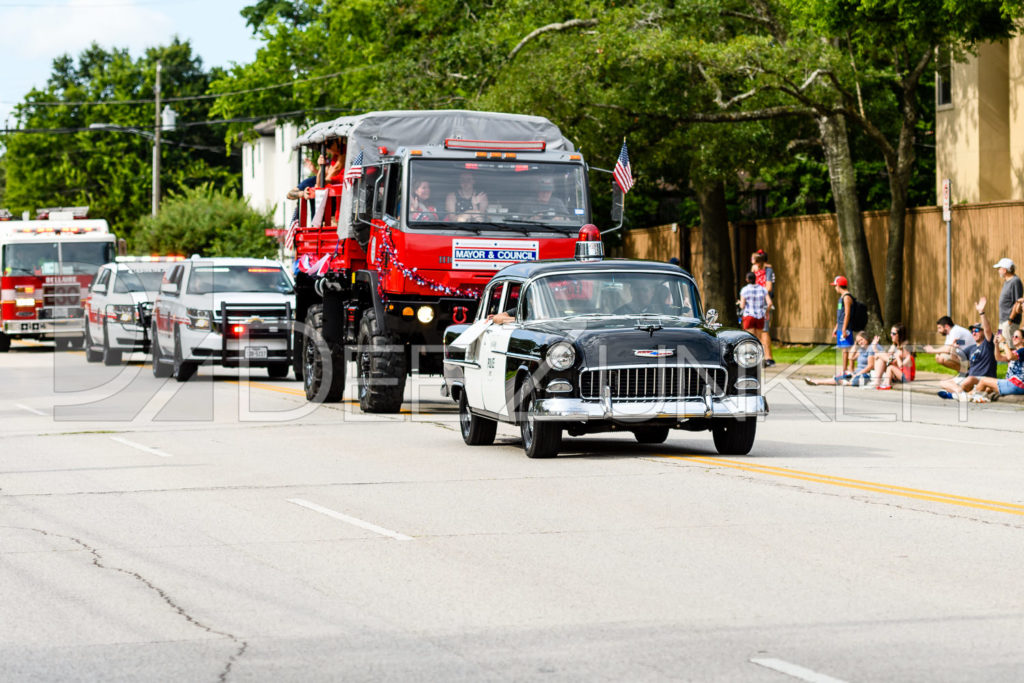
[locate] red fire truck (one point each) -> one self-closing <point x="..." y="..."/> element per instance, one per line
<point x="400" y="245"/>
<point x="47" y="266"/>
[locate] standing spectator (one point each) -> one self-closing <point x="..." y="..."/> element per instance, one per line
<point x="1014" y="382"/>
<point x="1012" y="290"/>
<point x="760" y="267"/>
<point x="755" y="300"/>
<point x="897" y="364"/>
<point x="842" y="331"/>
<point x="981" y="357"/>
<point x="956" y="349"/>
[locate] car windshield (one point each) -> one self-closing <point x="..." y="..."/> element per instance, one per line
<point x="610" y="294"/>
<point x="132" y="280"/>
<point x="215" y="279"/>
<point x="510" y="196"/>
<point x="45" y="258"/>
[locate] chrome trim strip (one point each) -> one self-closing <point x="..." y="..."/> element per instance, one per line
<point x="578" y="410"/>
<point x="519" y="356"/>
<point x="462" y="363"/>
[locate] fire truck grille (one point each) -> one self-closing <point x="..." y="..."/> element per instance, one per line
<point x="652" y="383"/>
<point x="64" y="294"/>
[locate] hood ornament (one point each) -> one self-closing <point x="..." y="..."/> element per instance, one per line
<point x="654" y="353"/>
<point x="711" y="319"/>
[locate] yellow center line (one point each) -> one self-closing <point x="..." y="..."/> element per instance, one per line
<point x="858" y="484"/>
<point x="297" y="392"/>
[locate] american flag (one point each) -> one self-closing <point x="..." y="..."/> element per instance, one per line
<point x="289" y="237"/>
<point x="623" y="171"/>
<point x="355" y="171"/>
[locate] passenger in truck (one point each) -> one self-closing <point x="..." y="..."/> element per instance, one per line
<point x="419" y="207"/>
<point x="466" y="203"/>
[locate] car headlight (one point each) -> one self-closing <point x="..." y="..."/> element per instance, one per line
<point x="124" y="314"/>
<point x="561" y="355"/>
<point x="748" y="353"/>
<point x="199" y="319"/>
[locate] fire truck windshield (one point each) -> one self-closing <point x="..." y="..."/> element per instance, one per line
<point x="44" y="258"/>
<point x="499" y="195"/>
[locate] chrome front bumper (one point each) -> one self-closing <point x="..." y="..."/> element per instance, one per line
<point x="578" y="410"/>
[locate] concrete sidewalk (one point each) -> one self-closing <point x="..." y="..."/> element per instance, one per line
<point x="924" y="383"/>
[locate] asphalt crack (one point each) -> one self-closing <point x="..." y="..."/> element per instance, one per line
<point x="97" y="560"/>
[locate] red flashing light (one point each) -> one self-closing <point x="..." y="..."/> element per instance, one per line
<point x="590" y="233"/>
<point x="238" y="330"/>
<point x="383" y="151"/>
<point x="497" y="145"/>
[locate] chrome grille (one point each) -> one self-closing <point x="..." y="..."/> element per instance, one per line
<point x="652" y="383"/>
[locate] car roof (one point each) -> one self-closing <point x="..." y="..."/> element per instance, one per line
<point x="232" y="261"/>
<point x="529" y="269"/>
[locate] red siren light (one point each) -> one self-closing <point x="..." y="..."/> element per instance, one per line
<point x="589" y="246"/>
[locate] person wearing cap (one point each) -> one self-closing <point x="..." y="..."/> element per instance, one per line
<point x="549" y="207"/>
<point x="957" y="348"/>
<point x="982" y="359"/>
<point x="842" y="331"/>
<point x="1008" y="296"/>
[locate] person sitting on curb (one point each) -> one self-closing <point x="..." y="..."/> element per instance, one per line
<point x="865" y="363"/>
<point x="897" y="364"/>
<point x="982" y="359"/>
<point x="1013" y="385"/>
<point x="957" y="348"/>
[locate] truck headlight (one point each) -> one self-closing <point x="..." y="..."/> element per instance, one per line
<point x="199" y="319"/>
<point x="561" y="355"/>
<point x="425" y="314"/>
<point x="748" y="353"/>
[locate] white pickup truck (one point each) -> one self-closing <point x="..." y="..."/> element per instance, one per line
<point x="225" y="311"/>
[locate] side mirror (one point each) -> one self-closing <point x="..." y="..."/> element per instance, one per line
<point x="617" y="201"/>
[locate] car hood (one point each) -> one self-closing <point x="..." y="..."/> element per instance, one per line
<point x="608" y="341"/>
<point x="214" y="301"/>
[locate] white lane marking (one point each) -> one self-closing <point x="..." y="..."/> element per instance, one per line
<point x="351" y="520"/>
<point x="793" y="670"/>
<point x="939" y="438"/>
<point x="31" y="410"/>
<point x="139" y="446"/>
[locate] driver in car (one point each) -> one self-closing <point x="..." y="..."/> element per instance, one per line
<point x="643" y="300"/>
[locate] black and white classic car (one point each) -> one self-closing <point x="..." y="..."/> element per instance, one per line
<point x="584" y="346"/>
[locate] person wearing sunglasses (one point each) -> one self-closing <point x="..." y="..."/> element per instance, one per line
<point x="897" y="364"/>
<point x="1013" y="354"/>
<point x="981" y="359"/>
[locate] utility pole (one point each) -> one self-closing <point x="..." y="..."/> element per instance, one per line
<point x="156" y="144"/>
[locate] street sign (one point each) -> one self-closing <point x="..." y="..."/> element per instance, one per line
<point x="946" y="213"/>
<point x="274" y="232"/>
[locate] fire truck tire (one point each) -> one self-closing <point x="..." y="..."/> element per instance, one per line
<point x="160" y="367"/>
<point x="110" y="356"/>
<point x="61" y="343"/>
<point x="319" y="359"/>
<point x="5" y="343"/>
<point x="381" y="362"/>
<point x="92" y="354"/>
<point x="297" y="364"/>
<point x="183" y="370"/>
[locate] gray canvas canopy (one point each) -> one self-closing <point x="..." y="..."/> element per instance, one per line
<point x="393" y="129"/>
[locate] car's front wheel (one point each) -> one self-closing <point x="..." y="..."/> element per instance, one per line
<point x="541" y="439"/>
<point x="160" y="367"/>
<point x="476" y="430"/>
<point x="734" y="437"/>
<point x="110" y="356"/>
<point x="92" y="355"/>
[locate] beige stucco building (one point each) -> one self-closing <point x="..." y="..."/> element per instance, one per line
<point x="979" y="125"/>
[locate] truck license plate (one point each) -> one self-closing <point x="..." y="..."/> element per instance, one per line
<point x="255" y="352"/>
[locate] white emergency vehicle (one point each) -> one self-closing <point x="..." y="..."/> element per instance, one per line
<point x="46" y="267"/>
<point x="119" y="307"/>
<point x="226" y="311"/>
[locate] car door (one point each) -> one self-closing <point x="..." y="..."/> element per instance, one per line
<point x="165" y="311"/>
<point x="493" y="350"/>
<point x="473" y="372"/>
<point x="94" y="316"/>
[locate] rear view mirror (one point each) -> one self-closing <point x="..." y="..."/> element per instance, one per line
<point x="617" y="198"/>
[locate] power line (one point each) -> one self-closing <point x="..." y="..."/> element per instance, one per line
<point x="190" y="98"/>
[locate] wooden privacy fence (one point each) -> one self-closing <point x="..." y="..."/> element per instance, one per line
<point x="804" y="250"/>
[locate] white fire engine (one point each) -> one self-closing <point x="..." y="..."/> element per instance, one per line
<point x="46" y="267"/>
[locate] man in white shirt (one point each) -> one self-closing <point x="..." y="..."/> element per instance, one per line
<point x="957" y="347"/>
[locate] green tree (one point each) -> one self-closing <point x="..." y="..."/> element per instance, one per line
<point x="207" y="221"/>
<point x="57" y="159"/>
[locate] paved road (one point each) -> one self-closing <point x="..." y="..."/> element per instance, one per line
<point x="224" y="530"/>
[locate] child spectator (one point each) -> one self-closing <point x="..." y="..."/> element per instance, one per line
<point x="760" y="267"/>
<point x="755" y="300"/>
<point x="865" y="363"/>
<point x="842" y="331"/>
<point x="958" y="346"/>
<point x="897" y="364"/>
<point x="982" y="359"/>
